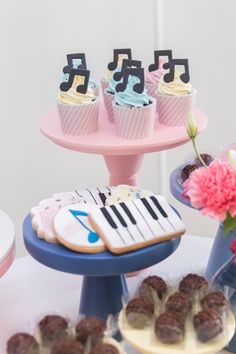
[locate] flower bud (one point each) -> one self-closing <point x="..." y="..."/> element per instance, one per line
<point x="232" y="157"/>
<point x="191" y="126"/>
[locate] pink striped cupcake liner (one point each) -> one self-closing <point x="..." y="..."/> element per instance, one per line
<point x="108" y="99"/>
<point x="80" y="119"/>
<point x="135" y="123"/>
<point x="174" y="110"/>
<point x="104" y="85"/>
<point x="151" y="89"/>
<point x="96" y="90"/>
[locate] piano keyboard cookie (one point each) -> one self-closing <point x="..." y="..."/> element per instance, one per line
<point x="136" y="224"/>
<point x="73" y="230"/>
<point x="43" y="214"/>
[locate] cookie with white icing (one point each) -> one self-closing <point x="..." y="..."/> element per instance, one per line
<point x="135" y="224"/>
<point x="123" y="193"/>
<point x="43" y="214"/>
<point x="73" y="230"/>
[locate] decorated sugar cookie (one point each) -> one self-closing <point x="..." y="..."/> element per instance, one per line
<point x="123" y="193"/>
<point x="73" y="230"/>
<point x="43" y="214"/>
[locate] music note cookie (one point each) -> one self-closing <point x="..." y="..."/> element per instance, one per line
<point x="132" y="225"/>
<point x="73" y="230"/>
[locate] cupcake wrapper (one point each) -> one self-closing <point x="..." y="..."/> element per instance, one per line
<point x="96" y="90"/>
<point x="104" y="86"/>
<point x="108" y="99"/>
<point x="151" y="89"/>
<point x="79" y="119"/>
<point x="135" y="123"/>
<point x="174" y="110"/>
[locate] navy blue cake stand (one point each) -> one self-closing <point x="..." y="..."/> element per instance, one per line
<point x="104" y="282"/>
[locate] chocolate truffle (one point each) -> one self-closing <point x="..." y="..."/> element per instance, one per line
<point x="187" y="170"/>
<point x="68" y="346"/>
<point x="169" y="327"/>
<point x="193" y="283"/>
<point x="104" y="348"/>
<point x="207" y="324"/>
<point x="22" y="343"/>
<point x="153" y="283"/>
<point x="179" y="302"/>
<point x="90" y="328"/>
<point x="139" y="312"/>
<point x="206" y="158"/>
<point x="215" y="300"/>
<point x="53" y="328"/>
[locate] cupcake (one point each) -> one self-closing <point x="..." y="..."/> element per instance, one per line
<point x="22" y="343"/>
<point x="108" y="96"/>
<point x="118" y="56"/>
<point x="175" y="96"/>
<point x="77" y="104"/>
<point x="152" y="79"/>
<point x="78" y="61"/>
<point x="134" y="111"/>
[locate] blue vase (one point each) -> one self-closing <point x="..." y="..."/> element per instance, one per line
<point x="220" y="252"/>
<point x="225" y="280"/>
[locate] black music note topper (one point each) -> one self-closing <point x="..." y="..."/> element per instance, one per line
<point x="171" y="65"/>
<point x="113" y="65"/>
<point x="65" y="86"/>
<point x="139" y="73"/>
<point x="73" y="57"/>
<point x="127" y="63"/>
<point x="157" y="55"/>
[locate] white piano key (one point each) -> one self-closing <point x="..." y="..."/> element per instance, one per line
<point x="172" y="216"/>
<point x="129" y="240"/>
<point x="161" y="220"/>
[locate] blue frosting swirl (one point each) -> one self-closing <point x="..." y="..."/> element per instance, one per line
<point x="130" y="98"/>
<point x="111" y="88"/>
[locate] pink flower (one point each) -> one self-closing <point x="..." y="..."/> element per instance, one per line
<point x="213" y="189"/>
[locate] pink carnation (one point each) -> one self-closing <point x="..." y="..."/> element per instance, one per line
<point x="213" y="189"/>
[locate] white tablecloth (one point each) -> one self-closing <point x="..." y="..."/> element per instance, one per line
<point x="30" y="290"/>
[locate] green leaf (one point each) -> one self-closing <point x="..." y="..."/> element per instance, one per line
<point x="229" y="224"/>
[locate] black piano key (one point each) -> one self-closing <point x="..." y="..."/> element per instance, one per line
<point x="128" y="212"/>
<point x="102" y="197"/>
<point x="149" y="208"/>
<point x="159" y="207"/>
<point x="92" y="195"/>
<point x="119" y="216"/>
<point x="109" y="218"/>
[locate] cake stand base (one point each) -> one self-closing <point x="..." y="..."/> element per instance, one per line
<point x="123" y="169"/>
<point x="102" y="296"/>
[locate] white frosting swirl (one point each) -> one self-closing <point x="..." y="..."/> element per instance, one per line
<point x="174" y="88"/>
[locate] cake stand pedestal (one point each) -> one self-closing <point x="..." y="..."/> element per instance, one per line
<point x="7" y="243"/>
<point x="104" y="282"/>
<point x="123" y="157"/>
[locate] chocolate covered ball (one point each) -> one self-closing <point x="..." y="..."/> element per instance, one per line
<point x="139" y="312"/>
<point x="187" y="170"/>
<point x="67" y="346"/>
<point x="90" y="328"/>
<point x="153" y="284"/>
<point x="170" y="327"/>
<point x="22" y="343"/>
<point x="104" y="348"/>
<point x="53" y="328"/>
<point x="193" y="283"/>
<point x="206" y="158"/>
<point x="216" y="301"/>
<point x="207" y="324"/>
<point x="179" y="302"/>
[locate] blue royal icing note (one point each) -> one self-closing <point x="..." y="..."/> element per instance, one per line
<point x="93" y="236"/>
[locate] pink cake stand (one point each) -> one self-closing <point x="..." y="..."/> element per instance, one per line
<point x="122" y="157"/>
<point x="7" y="242"/>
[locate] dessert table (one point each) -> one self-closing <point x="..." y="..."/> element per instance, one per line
<point x="30" y="290"/>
